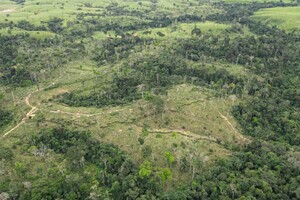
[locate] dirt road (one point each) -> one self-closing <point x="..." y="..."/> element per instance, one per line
<point x="31" y="112"/>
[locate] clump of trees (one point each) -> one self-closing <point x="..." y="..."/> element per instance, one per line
<point x="55" y="25"/>
<point x="90" y="169"/>
<point x="271" y="110"/>
<point x="26" y="60"/>
<point x="6" y="116"/>
<point x="154" y="73"/>
<point x="262" y="170"/>
<point x="19" y="1"/>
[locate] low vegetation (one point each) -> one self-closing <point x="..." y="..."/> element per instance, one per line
<point x="286" y="18"/>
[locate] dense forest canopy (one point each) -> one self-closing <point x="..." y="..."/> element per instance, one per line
<point x="151" y="99"/>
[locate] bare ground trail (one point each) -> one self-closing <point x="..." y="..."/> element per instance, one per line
<point x="7" y="11"/>
<point x="232" y="127"/>
<point x="79" y="114"/>
<point x="32" y="110"/>
<point x="184" y="133"/>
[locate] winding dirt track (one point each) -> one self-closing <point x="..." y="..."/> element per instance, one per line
<point x="31" y="112"/>
<point x="232" y="127"/>
<point x="199" y="137"/>
<point x="34" y="109"/>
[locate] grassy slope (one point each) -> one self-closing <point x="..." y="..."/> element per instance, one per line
<point x="183" y="30"/>
<point x="36" y="34"/>
<point x="36" y="11"/>
<point x="287" y="18"/>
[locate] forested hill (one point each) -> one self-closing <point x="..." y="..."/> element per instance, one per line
<point x="149" y="99"/>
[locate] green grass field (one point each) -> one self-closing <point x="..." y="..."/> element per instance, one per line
<point x="36" y="11"/>
<point x="35" y="34"/>
<point x="182" y="30"/>
<point x="287" y="18"/>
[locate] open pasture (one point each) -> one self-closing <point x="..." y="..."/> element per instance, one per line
<point x="287" y="18"/>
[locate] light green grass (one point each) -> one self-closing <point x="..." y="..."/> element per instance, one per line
<point x="183" y="30"/>
<point x="36" y="34"/>
<point x="37" y="11"/>
<point x="102" y="36"/>
<point x="287" y="18"/>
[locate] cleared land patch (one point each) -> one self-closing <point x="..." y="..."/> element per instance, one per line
<point x="287" y="18"/>
<point x="182" y="30"/>
<point x="7" y="11"/>
<point x="193" y="123"/>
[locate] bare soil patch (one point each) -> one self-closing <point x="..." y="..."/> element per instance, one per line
<point x="7" y="11"/>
